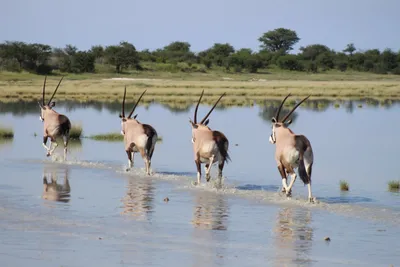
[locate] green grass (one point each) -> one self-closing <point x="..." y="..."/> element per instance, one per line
<point x="344" y="186"/>
<point x="6" y="133"/>
<point x="76" y="131"/>
<point x="113" y="137"/>
<point x="394" y="185"/>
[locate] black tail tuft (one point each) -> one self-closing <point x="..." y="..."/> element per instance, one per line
<point x="150" y="132"/>
<point x="222" y="144"/>
<point x="304" y="176"/>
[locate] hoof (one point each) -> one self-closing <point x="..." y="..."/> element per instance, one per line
<point x="289" y="194"/>
<point x="127" y="169"/>
<point x="311" y="200"/>
<point x="195" y="183"/>
<point x="48" y="154"/>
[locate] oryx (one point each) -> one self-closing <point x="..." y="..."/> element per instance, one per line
<point x="291" y="151"/>
<point x="55" y="124"/>
<point x="138" y="137"/>
<point x="208" y="146"/>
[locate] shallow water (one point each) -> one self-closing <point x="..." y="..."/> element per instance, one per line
<point x="104" y="216"/>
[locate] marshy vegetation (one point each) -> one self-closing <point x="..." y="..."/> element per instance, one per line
<point x="394" y="185"/>
<point x="76" y="131"/>
<point x="344" y="185"/>
<point x="6" y="132"/>
<point x="182" y="91"/>
<point x="113" y="137"/>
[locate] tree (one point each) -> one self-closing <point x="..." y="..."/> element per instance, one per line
<point x="82" y="61"/>
<point x="97" y="51"/>
<point x="350" y="48"/>
<point x="122" y="56"/>
<point x="389" y="59"/>
<point x="218" y="54"/>
<point x="178" y="47"/>
<point x="290" y="62"/>
<point x="311" y="52"/>
<point x="245" y="58"/>
<point x="14" y="50"/>
<point x="176" y="52"/>
<point x="279" y="39"/>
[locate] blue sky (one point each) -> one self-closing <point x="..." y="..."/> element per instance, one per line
<point x="154" y="24"/>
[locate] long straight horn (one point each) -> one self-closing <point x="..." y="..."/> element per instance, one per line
<point x="298" y="104"/>
<point x="44" y="88"/>
<point x="280" y="107"/>
<point x="208" y="114"/>
<point x="123" y="104"/>
<point x="130" y="114"/>
<point x="197" y="107"/>
<point x="55" y="91"/>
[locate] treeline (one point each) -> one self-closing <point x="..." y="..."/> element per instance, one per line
<point x="274" y="53"/>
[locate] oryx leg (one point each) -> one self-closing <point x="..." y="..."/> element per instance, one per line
<point x="66" y="140"/>
<point x="130" y="159"/>
<point x="289" y="190"/>
<point x="198" y="166"/>
<point x="221" y="164"/>
<point x="44" y="143"/>
<point x="146" y="160"/>
<point x="284" y="180"/>
<point x="208" y="168"/>
<point x="52" y="144"/>
<point x="309" y="171"/>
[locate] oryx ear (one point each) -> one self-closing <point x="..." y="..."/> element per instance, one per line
<point x="40" y="105"/>
<point x="193" y="124"/>
<point x="273" y="120"/>
<point x="134" y="117"/>
<point x="288" y="122"/>
<point x="120" y="115"/>
<point x="207" y="121"/>
<point x="52" y="104"/>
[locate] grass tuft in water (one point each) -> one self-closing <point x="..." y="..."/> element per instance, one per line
<point x="107" y="137"/>
<point x="337" y="105"/>
<point x="6" y="133"/>
<point x="394" y="185"/>
<point x="344" y="186"/>
<point x="76" y="131"/>
<point x="113" y="137"/>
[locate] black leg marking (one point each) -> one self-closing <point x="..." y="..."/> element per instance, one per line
<point x="282" y="171"/>
<point x="220" y="168"/>
<point x="129" y="153"/>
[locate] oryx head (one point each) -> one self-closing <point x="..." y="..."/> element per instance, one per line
<point x="284" y="123"/>
<point x="43" y="106"/>
<point x="204" y="122"/>
<point x="122" y="115"/>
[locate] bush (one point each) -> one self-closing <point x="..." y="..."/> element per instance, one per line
<point x="290" y="62"/>
<point x="44" y="69"/>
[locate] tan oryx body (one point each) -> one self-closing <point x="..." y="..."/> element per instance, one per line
<point x="291" y="151"/>
<point x="209" y="146"/>
<point x="55" y="125"/>
<point x="138" y="137"/>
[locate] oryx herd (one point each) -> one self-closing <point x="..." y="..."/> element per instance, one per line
<point x="209" y="146"/>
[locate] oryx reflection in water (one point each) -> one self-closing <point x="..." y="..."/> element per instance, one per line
<point x="138" y="201"/>
<point x="293" y="237"/>
<point x="54" y="191"/>
<point x="210" y="211"/>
